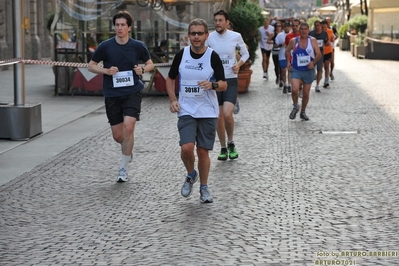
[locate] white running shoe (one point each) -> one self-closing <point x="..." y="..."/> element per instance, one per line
<point x="122" y="175"/>
<point x="206" y="196"/>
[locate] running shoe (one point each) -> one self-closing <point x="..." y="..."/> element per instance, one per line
<point x="303" y="116"/>
<point x="233" y="154"/>
<point x="277" y="81"/>
<point x="317" y="89"/>
<point x="187" y="187"/>
<point x="236" y="107"/>
<point x="289" y="90"/>
<point x="332" y="76"/>
<point x="223" y="154"/>
<point x="281" y="84"/>
<point x="326" y="85"/>
<point x="205" y="195"/>
<point x="293" y="113"/>
<point x="285" y="89"/>
<point x="266" y="76"/>
<point x="122" y="175"/>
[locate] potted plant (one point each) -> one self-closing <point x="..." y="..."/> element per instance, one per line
<point x="344" y="43"/>
<point x="360" y="48"/>
<point x="247" y="17"/>
<point x="357" y="25"/>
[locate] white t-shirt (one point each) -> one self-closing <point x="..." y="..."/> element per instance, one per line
<point x="280" y="39"/>
<point x="264" y="38"/>
<point x="227" y="45"/>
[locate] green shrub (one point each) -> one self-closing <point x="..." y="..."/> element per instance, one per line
<point x="50" y="18"/>
<point x="342" y="32"/>
<point x="247" y="17"/>
<point x="359" y="23"/>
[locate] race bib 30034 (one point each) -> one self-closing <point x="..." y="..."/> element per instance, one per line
<point x="123" y="79"/>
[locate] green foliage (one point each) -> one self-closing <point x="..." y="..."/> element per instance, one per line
<point x="50" y="18"/>
<point x="247" y="17"/>
<point x="359" y="23"/>
<point x="342" y="32"/>
<point x="360" y="39"/>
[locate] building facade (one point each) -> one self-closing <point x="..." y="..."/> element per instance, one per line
<point x="37" y="40"/>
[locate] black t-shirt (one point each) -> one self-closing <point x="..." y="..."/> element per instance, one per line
<point x="323" y="36"/>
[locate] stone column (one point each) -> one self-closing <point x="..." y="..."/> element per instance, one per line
<point x="34" y="37"/>
<point x="27" y="37"/>
<point x="44" y="9"/>
<point x="4" y="53"/>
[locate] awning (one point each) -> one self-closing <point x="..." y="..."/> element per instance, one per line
<point x="327" y="10"/>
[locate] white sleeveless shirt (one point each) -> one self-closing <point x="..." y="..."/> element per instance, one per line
<point x="193" y="100"/>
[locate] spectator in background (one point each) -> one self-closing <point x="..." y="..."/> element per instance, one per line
<point x="160" y="52"/>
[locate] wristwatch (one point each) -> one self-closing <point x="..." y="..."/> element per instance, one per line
<point x="215" y="85"/>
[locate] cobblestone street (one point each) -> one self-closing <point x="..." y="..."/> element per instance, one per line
<point x="299" y="191"/>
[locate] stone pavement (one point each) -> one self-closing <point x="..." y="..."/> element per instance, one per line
<point x="295" y="196"/>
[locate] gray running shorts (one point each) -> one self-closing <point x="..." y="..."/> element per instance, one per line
<point x="201" y="131"/>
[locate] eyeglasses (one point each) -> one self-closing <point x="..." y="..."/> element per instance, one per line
<point x="199" y="33"/>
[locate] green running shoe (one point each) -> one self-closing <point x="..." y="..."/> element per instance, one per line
<point x="223" y="154"/>
<point x="233" y="154"/>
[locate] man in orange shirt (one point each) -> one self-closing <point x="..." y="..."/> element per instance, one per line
<point x="328" y="52"/>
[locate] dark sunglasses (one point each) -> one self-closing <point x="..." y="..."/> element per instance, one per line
<point x="199" y="33"/>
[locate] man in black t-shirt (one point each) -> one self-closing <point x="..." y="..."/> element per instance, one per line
<point x="322" y="39"/>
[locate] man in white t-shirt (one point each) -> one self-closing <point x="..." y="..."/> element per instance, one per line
<point x="280" y="42"/>
<point x="266" y="33"/>
<point x="226" y="43"/>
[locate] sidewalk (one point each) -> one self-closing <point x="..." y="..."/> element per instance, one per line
<point x="64" y="121"/>
<point x="294" y="196"/>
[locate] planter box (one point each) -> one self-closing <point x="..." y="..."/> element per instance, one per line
<point x="344" y="44"/>
<point x="360" y="51"/>
<point x="244" y="79"/>
<point x="352" y="49"/>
